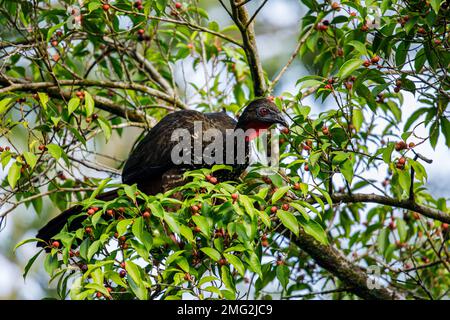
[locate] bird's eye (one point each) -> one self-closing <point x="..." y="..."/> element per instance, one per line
<point x="263" y="111"/>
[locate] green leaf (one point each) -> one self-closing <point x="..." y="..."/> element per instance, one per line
<point x="21" y="243"/>
<point x="30" y="263"/>
<point x="387" y="153"/>
<point x="52" y="30"/>
<point x="401" y="227"/>
<point x="106" y="128"/>
<point x="93" y="248"/>
<point x="14" y="174"/>
<point x="173" y="224"/>
<point x="88" y="103"/>
<point x="43" y="99"/>
<point x="283" y="275"/>
<point x="346" y="168"/>
<point x="236" y="262"/>
<point x="73" y="105"/>
<point x="187" y="233"/>
<point x="315" y="230"/>
<point x="30" y="158"/>
<point x="156" y="209"/>
<point x="436" y="4"/>
<point x="289" y="221"/>
<point x="349" y="67"/>
<point x="203" y="224"/>
<point x="212" y="253"/>
<point x="404" y="179"/>
<point x="357" y="118"/>
<point x="122" y="226"/>
<point x="383" y="240"/>
<point x="445" y="129"/>
<point x="277" y="195"/>
<point x="55" y="151"/>
<point x="4" y="105"/>
<point x="359" y="46"/>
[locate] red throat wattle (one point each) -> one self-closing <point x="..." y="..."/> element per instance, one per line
<point x="258" y="128"/>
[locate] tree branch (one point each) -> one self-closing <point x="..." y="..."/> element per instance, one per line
<point x="12" y="84"/>
<point x="240" y="15"/>
<point x="374" y="198"/>
<point x="100" y="102"/>
<point x="336" y="263"/>
<point x="289" y="62"/>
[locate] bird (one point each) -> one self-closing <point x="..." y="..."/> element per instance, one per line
<point x="150" y="165"/>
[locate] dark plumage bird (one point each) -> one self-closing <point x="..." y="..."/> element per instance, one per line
<point x="150" y="164"/>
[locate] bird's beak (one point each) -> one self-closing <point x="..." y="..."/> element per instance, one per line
<point x="278" y="118"/>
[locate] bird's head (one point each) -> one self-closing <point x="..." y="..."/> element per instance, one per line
<point x="260" y="114"/>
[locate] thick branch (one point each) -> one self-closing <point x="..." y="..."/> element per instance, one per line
<point x="405" y="204"/>
<point x="100" y="102"/>
<point x="12" y="84"/>
<point x="246" y="28"/>
<point x="336" y="263"/>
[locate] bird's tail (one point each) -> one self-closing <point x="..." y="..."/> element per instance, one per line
<point x="54" y="226"/>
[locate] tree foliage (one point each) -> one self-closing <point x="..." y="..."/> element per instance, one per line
<point x="72" y="73"/>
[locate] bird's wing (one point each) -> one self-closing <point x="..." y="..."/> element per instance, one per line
<point x="152" y="156"/>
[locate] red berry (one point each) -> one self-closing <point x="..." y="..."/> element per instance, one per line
<point x="335" y="6"/>
<point x="296" y="186"/>
<point x="375" y="59"/>
<point x="122" y="265"/>
<point x="146" y="215"/>
<point x="285" y="207"/>
<point x="178" y="5"/>
<point x="187" y="277"/>
<point x="99" y="295"/>
<point x="91" y="211"/>
<point x="306" y="167"/>
<point x="194" y="208"/>
<point x="141" y="31"/>
<point x="55" y="244"/>
<point x="325" y="131"/>
<point x="213" y="180"/>
<point x="444" y="226"/>
<point x="273" y="209"/>
<point x="88" y="230"/>
<point x="41" y="147"/>
<point x="367" y="63"/>
<point x="110" y="212"/>
<point x="401" y="145"/>
<point x="106" y="7"/>
<point x="328" y="87"/>
<point x="402" y="160"/>
<point x="265" y="243"/>
<point x="140" y="7"/>
<point x="223" y="262"/>
<point x="234" y="196"/>
<point x="285" y="130"/>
